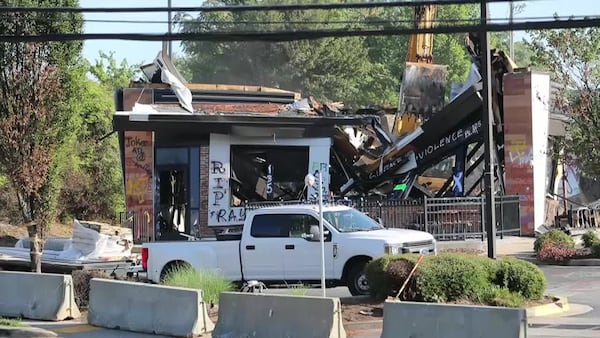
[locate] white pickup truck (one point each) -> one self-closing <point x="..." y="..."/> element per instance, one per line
<point x="280" y="244"/>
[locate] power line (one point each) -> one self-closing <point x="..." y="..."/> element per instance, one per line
<point x="291" y="35"/>
<point x="321" y="22"/>
<point x="242" y="8"/>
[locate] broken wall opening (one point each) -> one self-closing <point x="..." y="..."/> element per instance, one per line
<point x="267" y="173"/>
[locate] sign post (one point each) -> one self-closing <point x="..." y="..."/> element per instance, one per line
<point x="309" y="180"/>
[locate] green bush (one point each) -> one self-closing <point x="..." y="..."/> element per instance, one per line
<point x="589" y="238"/>
<point x="496" y="296"/>
<point x="81" y="285"/>
<point x="521" y="277"/>
<point x="377" y="274"/>
<point x="211" y="283"/>
<point x="397" y="272"/>
<point x="556" y="236"/>
<point x="596" y="250"/>
<point x="450" y="277"/>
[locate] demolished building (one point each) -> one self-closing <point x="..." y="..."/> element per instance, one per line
<point x="194" y="154"/>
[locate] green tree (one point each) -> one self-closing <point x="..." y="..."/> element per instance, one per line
<point x="356" y="70"/>
<point x="572" y="57"/>
<point x="36" y="80"/>
<point x="95" y="189"/>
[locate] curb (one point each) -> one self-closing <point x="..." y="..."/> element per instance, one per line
<point x="11" y="331"/>
<point x="561" y="305"/>
<point x="571" y="262"/>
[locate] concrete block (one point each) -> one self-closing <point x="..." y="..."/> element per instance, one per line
<point x="421" y="320"/>
<point x="262" y="315"/>
<point x="148" y="308"/>
<point x="42" y="296"/>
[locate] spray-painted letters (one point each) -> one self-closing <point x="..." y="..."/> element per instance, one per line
<point x="220" y="211"/>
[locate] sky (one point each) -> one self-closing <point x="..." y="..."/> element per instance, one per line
<point x="140" y="52"/>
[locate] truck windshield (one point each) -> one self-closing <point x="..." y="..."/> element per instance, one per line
<point x="351" y="220"/>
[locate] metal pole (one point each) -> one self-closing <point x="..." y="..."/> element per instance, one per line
<point x="488" y="132"/>
<point x="322" y="233"/>
<point x="511" y="42"/>
<point x="170" y="30"/>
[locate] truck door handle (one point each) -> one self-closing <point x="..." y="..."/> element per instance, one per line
<point x="250" y="247"/>
<point x="289" y="246"/>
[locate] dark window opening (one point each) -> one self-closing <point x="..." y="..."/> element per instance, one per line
<point x="274" y="173"/>
<point x="172" y="214"/>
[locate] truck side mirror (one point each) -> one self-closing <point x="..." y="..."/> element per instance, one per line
<point x="315" y="233"/>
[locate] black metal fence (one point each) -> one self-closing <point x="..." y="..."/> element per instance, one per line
<point x="447" y="218"/>
<point x="141" y="227"/>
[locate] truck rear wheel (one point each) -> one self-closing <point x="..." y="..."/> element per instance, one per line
<point x="357" y="279"/>
<point x="171" y="267"/>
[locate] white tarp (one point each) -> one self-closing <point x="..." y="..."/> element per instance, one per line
<point x="85" y="245"/>
<point x="88" y="244"/>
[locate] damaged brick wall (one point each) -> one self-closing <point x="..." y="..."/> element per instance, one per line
<point x="205" y="231"/>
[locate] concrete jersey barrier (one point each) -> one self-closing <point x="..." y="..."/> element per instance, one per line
<point x="266" y="316"/>
<point x="409" y="319"/>
<point x="148" y="308"/>
<point x="41" y="296"/>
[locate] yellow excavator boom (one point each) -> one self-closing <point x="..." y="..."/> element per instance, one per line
<point x="423" y="81"/>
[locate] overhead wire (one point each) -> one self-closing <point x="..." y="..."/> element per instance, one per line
<point x="321" y="22"/>
<point x="244" y="8"/>
<point x="294" y="35"/>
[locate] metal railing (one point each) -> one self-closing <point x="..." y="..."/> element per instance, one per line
<point x="141" y="229"/>
<point x="447" y="218"/>
<point x="584" y="218"/>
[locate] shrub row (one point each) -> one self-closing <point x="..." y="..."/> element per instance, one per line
<point x="556" y="236"/>
<point x="457" y="277"/>
<point x="557" y="247"/>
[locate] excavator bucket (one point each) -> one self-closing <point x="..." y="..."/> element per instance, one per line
<point x="422" y="95"/>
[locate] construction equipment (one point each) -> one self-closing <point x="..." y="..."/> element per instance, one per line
<point x="424" y="83"/>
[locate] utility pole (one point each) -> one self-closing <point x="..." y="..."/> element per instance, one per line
<point x="511" y="37"/>
<point x="488" y="132"/>
<point x="170" y="30"/>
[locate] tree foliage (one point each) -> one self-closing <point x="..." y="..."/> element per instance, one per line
<point x="36" y="80"/>
<point x="572" y="58"/>
<point x="356" y="70"/>
<point x="95" y="189"/>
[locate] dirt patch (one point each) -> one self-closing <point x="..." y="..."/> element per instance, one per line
<point x="372" y="310"/>
<point x="10" y="233"/>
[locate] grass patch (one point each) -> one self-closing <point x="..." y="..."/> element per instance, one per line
<point x="11" y="322"/>
<point x="297" y="290"/>
<point x="210" y="282"/>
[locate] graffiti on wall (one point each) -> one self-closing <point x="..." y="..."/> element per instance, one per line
<point x="316" y="169"/>
<point x="220" y="211"/>
<point x="139" y="161"/>
<point x="520" y="152"/>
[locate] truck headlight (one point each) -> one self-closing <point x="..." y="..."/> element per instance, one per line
<point x="390" y="249"/>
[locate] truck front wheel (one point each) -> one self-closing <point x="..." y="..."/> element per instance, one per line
<point x="357" y="280"/>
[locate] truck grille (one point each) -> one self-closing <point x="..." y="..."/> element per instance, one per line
<point x="418" y="244"/>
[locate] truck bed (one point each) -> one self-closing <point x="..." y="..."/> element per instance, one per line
<point x="221" y="256"/>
